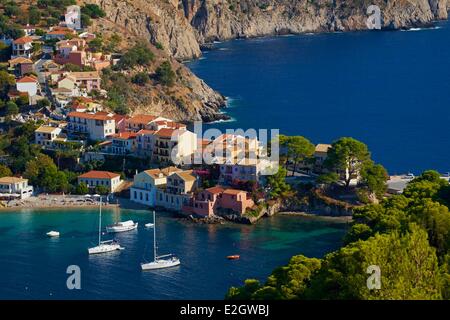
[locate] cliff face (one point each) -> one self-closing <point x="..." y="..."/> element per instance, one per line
<point x="189" y="99"/>
<point x="221" y="20"/>
<point x="180" y="27"/>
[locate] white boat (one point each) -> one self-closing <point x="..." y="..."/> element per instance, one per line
<point x="149" y="225"/>
<point x="53" y="234"/>
<point x="122" y="226"/>
<point x="159" y="262"/>
<point x="103" y="246"/>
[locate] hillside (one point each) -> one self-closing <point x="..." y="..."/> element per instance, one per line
<point x="182" y="26"/>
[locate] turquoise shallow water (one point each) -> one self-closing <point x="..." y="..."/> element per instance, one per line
<point x="33" y="266"/>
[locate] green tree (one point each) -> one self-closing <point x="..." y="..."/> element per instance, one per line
<point x="11" y="108"/>
<point x="82" y="188"/>
<point x="5" y="171"/>
<point x="103" y="190"/>
<point x="140" y="78"/>
<point x="96" y="44"/>
<point x="348" y="156"/>
<point x="93" y="11"/>
<point x="374" y="178"/>
<point x="277" y="183"/>
<point x="5" y="51"/>
<point x="6" y="82"/>
<point x="165" y="75"/>
<point x="299" y="149"/>
<point x="328" y="178"/>
<point x="34" y="16"/>
<point x="140" y="55"/>
<point x="42" y="172"/>
<point x="409" y="269"/>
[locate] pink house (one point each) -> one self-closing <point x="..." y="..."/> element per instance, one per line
<point x="210" y="200"/>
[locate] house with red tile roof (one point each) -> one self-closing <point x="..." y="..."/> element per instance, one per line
<point x="97" y="126"/>
<point x="95" y="178"/>
<point x="22" y="47"/>
<point x="28" y="84"/>
<point x="122" y="143"/>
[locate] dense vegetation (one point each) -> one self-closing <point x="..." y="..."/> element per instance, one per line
<point x="407" y="236"/>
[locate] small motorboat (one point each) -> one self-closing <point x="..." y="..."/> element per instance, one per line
<point x="53" y="234"/>
<point x="122" y="226"/>
<point x="149" y="225"/>
<point x="233" y="257"/>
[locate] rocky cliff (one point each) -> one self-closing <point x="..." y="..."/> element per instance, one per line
<point x="226" y="19"/>
<point x="181" y="27"/>
<point x="190" y="98"/>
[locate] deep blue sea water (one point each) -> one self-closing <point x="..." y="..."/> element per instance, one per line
<point x="33" y="266"/>
<point x="389" y="89"/>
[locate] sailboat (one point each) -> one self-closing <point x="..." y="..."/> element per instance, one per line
<point x="159" y="262"/>
<point x="103" y="246"/>
<point x="122" y="226"/>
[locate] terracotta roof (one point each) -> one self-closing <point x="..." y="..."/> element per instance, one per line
<point x="23" y="40"/>
<point x="141" y="119"/>
<point x="323" y="147"/>
<point x="144" y="131"/>
<point x="170" y="124"/>
<point x="10" y="180"/>
<point x="165" y="132"/>
<point x="125" y="135"/>
<point x="215" y="190"/>
<point x="27" y="79"/>
<point x="93" y="116"/>
<point x="99" y="175"/>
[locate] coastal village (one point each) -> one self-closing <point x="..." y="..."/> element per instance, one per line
<point x="54" y="80"/>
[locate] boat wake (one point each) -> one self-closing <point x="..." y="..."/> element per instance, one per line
<point x="421" y="29"/>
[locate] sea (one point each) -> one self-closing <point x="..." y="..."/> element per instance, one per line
<point x="389" y="89"/>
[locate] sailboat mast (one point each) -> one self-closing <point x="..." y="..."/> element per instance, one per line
<point x="154" y="236"/>
<point x="100" y="223"/>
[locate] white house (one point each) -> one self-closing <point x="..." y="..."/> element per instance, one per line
<point x="98" y="125"/>
<point x="13" y="187"/>
<point x="28" y="84"/>
<point x="46" y="135"/>
<point x="72" y="17"/>
<point x="22" y="47"/>
<point x="174" y="146"/>
<point x="94" y="178"/>
<point x="146" y="183"/>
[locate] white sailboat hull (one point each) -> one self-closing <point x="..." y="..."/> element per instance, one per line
<point x="161" y="264"/>
<point x="104" y="248"/>
<point x="121" y="228"/>
<point x="52" y="234"/>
